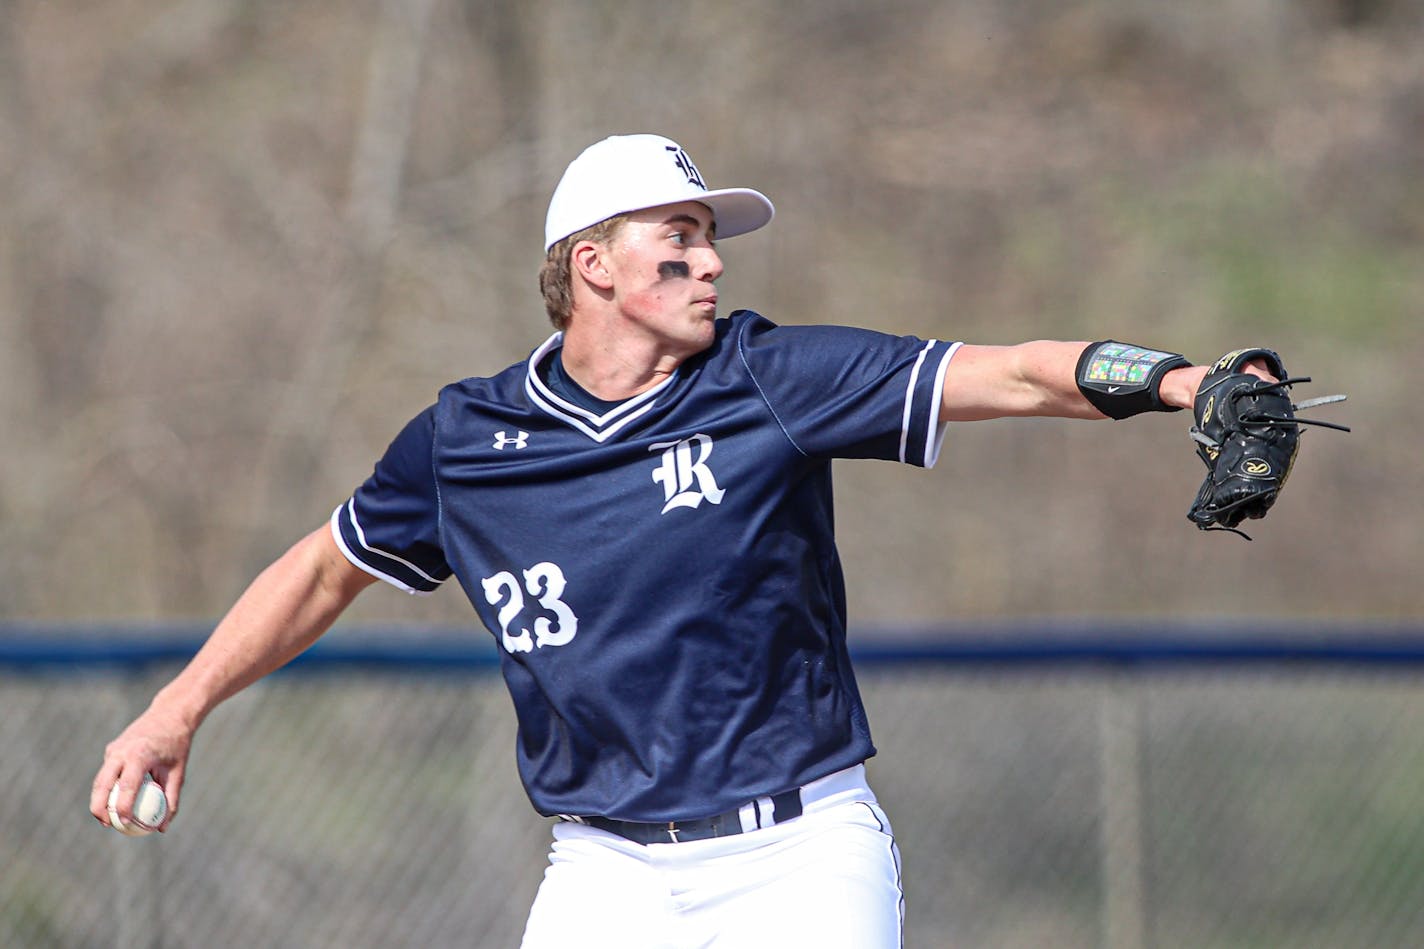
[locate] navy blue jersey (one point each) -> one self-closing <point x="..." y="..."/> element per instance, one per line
<point x="662" y="578"/>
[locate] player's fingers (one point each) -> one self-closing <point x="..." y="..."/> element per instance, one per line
<point x="103" y="782"/>
<point x="129" y="780"/>
<point x="170" y="778"/>
<point x="1258" y="367"/>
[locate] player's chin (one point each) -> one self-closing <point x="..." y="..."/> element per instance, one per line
<point x="700" y="333"/>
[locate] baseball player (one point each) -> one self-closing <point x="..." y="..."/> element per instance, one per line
<point x="640" y="514"/>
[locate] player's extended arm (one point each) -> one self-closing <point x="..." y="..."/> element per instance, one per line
<point x="284" y="611"/>
<point x="1035" y="379"/>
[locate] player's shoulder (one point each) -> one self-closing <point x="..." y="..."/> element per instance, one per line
<point x="745" y="323"/>
<point x="744" y="330"/>
<point x="497" y="388"/>
<point x="504" y="388"/>
<point x="750" y="331"/>
<point x="741" y="322"/>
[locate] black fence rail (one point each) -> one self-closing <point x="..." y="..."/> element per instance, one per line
<point x="1150" y="644"/>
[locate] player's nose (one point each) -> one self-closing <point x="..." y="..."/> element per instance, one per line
<point x="708" y="264"/>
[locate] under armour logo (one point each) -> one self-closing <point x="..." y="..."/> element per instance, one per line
<point x="686" y="482"/>
<point x="685" y="165"/>
<point x="519" y="440"/>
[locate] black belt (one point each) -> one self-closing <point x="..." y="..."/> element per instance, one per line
<point x="785" y="806"/>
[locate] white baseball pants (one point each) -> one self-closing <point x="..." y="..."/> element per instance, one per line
<point x="829" y="879"/>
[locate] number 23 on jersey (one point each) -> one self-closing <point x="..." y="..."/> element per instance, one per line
<point x="545" y="583"/>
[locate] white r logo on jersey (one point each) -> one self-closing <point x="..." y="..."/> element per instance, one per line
<point x="686" y="483"/>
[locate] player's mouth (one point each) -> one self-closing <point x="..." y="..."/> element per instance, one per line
<point x="710" y="302"/>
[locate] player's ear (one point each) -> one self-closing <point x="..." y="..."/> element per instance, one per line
<point x="589" y="259"/>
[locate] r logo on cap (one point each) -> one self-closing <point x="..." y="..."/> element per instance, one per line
<point x="685" y="165"/>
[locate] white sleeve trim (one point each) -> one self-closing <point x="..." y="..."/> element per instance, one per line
<point x="934" y="439"/>
<point x="910" y="400"/>
<point x="350" y="555"/>
<point x="934" y="435"/>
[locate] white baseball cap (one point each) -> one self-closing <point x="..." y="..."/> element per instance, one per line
<point x="630" y="172"/>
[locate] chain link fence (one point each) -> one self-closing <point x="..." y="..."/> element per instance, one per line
<point x="1059" y="802"/>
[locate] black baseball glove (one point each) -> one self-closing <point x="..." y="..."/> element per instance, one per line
<point x="1247" y="433"/>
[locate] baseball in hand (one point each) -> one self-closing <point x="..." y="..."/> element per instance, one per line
<point x="150" y="807"/>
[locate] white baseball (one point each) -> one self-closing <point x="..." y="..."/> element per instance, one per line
<point x="150" y="807"/>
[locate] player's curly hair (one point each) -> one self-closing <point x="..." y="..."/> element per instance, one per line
<point x="556" y="274"/>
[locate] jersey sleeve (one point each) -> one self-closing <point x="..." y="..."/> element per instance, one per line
<point x="843" y="392"/>
<point x="390" y="527"/>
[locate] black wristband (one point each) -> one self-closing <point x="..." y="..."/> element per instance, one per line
<point x="1122" y="380"/>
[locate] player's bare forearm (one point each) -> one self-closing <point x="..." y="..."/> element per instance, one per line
<point x="282" y="612"/>
<point x="1030" y="379"/>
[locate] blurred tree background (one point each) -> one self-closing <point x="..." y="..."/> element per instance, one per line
<point x="241" y="243"/>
